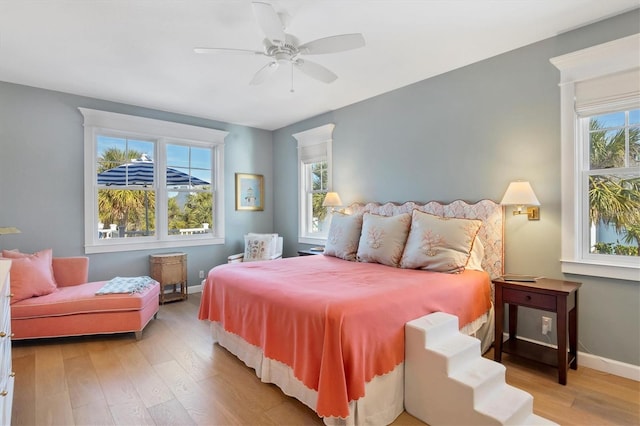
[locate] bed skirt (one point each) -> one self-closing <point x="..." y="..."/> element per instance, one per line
<point x="384" y="395"/>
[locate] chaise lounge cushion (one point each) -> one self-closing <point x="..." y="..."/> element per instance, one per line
<point x="81" y="299"/>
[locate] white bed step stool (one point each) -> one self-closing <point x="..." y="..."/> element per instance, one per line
<point x="448" y="382"/>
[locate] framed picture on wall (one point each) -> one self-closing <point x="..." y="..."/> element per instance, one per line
<point x="249" y="192"/>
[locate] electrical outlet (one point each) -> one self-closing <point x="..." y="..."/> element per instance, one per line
<point x="546" y="325"/>
<point x="201" y="274"/>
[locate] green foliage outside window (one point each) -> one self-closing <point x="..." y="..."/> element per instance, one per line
<point x="319" y="188"/>
<point x="614" y="198"/>
<point x="133" y="210"/>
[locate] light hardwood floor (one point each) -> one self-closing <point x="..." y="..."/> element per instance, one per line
<point x="176" y="376"/>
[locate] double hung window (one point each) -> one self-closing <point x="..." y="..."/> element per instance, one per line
<point x="151" y="184"/>
<point x="314" y="181"/>
<point x="600" y="120"/>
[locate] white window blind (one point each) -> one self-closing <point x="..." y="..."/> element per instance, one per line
<point x="313" y="153"/>
<point x="608" y="93"/>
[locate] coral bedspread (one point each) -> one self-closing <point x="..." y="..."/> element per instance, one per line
<point x="337" y="324"/>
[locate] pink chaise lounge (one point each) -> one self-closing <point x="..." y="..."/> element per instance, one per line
<point x="74" y="309"/>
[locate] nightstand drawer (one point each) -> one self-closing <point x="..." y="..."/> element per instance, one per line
<point x="530" y="299"/>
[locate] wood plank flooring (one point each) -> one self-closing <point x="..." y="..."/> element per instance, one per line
<point x="175" y="376"/>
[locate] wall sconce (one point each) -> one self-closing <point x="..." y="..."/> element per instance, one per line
<point x="520" y="194"/>
<point x="332" y="199"/>
<point x="6" y="230"/>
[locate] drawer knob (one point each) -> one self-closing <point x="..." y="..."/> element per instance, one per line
<point x="3" y="334"/>
<point x="12" y="374"/>
<point x="527" y="298"/>
<point x="4" y="393"/>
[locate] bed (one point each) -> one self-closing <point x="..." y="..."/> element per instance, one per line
<point x="330" y="331"/>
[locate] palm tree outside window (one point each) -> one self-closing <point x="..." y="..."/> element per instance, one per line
<point x="613" y="176"/>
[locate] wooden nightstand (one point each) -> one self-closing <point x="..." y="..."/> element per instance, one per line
<point x="170" y="270"/>
<point x="309" y="252"/>
<point x="546" y="294"/>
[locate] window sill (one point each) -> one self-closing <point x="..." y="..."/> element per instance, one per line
<point x="150" y="245"/>
<point x="619" y="272"/>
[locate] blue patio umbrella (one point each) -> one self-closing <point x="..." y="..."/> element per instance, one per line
<point x="141" y="172"/>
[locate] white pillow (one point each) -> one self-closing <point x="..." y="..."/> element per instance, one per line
<point x="344" y="235"/>
<point x="258" y="247"/>
<point x="477" y="255"/>
<point x="272" y="245"/>
<point x="441" y="244"/>
<point x="383" y="238"/>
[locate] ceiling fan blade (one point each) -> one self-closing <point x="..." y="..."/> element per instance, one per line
<point x="269" y="21"/>
<point x="264" y="72"/>
<point x="333" y="44"/>
<point x="226" y="50"/>
<point x="316" y="71"/>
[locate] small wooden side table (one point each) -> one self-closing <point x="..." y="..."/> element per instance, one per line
<point x="170" y="270"/>
<point x="546" y="294"/>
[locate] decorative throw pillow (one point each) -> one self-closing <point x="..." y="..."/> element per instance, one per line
<point x="31" y="274"/>
<point x="441" y="244"/>
<point x="344" y="234"/>
<point x="272" y="243"/>
<point x="476" y="256"/>
<point x="257" y="247"/>
<point x="383" y="237"/>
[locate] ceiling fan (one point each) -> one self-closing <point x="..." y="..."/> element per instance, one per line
<point x="282" y="48"/>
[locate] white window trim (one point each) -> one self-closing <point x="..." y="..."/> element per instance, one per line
<point x="597" y="61"/>
<point x="102" y="122"/>
<point x="317" y="135"/>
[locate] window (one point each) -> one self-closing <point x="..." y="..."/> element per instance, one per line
<point x="611" y="183"/>
<point x="151" y="184"/>
<point x="600" y="152"/>
<point x="314" y="181"/>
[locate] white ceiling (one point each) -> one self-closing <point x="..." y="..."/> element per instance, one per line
<point x="140" y="52"/>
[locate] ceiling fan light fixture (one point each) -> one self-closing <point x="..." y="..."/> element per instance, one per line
<point x="283" y="48"/>
<point x="283" y="57"/>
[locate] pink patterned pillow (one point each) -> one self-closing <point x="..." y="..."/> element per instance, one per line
<point x="344" y="234"/>
<point x="441" y="244"/>
<point x="31" y="274"/>
<point x="383" y="238"/>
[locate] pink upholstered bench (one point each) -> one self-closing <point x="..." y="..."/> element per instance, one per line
<point x="74" y="309"/>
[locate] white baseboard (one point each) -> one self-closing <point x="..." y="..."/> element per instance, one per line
<point x="605" y="365"/>
<point x="194" y="289"/>
<point x="610" y="366"/>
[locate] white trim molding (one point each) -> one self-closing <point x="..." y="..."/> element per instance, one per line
<point x="323" y="137"/>
<point x="596" y="61"/>
<point x="595" y="362"/>
<point x="162" y="132"/>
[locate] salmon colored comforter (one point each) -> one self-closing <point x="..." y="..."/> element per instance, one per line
<point x="336" y="323"/>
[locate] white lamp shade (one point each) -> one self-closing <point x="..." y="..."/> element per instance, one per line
<point x="520" y="193"/>
<point x="332" y="199"/>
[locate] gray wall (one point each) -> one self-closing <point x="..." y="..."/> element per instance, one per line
<point x="42" y="175"/>
<point x="465" y="135"/>
<point x="461" y="135"/>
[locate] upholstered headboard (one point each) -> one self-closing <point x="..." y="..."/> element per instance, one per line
<point x="489" y="212"/>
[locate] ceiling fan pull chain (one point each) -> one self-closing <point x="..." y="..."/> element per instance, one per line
<point x="291" y="90"/>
